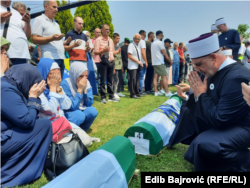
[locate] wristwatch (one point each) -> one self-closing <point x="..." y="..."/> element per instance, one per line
<point x="224" y="47"/>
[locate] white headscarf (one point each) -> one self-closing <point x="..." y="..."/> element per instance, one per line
<point x="90" y="41"/>
<point x="76" y="69"/>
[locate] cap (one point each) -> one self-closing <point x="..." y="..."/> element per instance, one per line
<point x="203" y="45"/>
<point x="127" y="40"/>
<point x="213" y="27"/>
<point x="168" y="40"/>
<point x="220" y="21"/>
<point x="227" y="52"/>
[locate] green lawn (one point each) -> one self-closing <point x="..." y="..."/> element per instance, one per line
<point x="115" y="118"/>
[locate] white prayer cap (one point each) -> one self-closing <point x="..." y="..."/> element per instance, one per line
<point x="54" y="66"/>
<point x="220" y="21"/>
<point x="213" y="27"/>
<point x="203" y="45"/>
<point x="227" y="52"/>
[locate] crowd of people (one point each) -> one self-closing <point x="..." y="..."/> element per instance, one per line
<point x="31" y="96"/>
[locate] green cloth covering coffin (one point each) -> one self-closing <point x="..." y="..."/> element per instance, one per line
<point x="124" y="152"/>
<point x="151" y="134"/>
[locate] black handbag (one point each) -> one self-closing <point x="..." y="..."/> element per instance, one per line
<point x="60" y="157"/>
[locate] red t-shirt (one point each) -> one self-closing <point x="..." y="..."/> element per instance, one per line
<point x="181" y="53"/>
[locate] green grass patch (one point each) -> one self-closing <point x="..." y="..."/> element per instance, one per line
<point x="114" y="119"/>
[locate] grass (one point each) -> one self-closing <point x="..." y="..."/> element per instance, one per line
<point x="114" y="119"/>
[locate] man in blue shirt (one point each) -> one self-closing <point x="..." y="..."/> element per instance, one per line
<point x="188" y="64"/>
<point x="176" y="64"/>
<point x="228" y="39"/>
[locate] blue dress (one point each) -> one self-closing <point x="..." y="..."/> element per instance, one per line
<point x="217" y="126"/>
<point x="84" y="118"/>
<point x="24" y="138"/>
<point x="231" y="39"/>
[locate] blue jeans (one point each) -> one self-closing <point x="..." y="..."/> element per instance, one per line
<point x="60" y="63"/>
<point x="142" y="73"/>
<point x="18" y="61"/>
<point x="175" y="73"/>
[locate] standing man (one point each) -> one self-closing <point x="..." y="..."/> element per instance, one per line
<point x="182" y="63"/>
<point x="242" y="49"/>
<point x="78" y="47"/>
<point x="158" y="52"/>
<point x="150" y="70"/>
<point x="103" y="53"/>
<point x="176" y="64"/>
<point x="214" y="29"/>
<point x="134" y="64"/>
<point x="46" y="32"/>
<point x="124" y="53"/>
<point x="97" y="34"/>
<point x="142" y="46"/>
<point x="228" y="39"/>
<point x="187" y="63"/>
<point x="117" y="83"/>
<point x="18" y="33"/>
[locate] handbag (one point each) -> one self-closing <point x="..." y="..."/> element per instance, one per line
<point x="105" y="57"/>
<point x="60" y="125"/>
<point x="60" y="157"/>
<point x="140" y="67"/>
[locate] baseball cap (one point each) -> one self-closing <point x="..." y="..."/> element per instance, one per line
<point x="168" y="40"/>
<point x="127" y="40"/>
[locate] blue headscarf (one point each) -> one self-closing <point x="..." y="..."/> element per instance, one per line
<point x="43" y="67"/>
<point x="23" y="77"/>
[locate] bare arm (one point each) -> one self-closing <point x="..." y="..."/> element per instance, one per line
<point x="164" y="53"/>
<point x="133" y="59"/>
<point x="39" y="52"/>
<point x="41" y="40"/>
<point x="144" y="55"/>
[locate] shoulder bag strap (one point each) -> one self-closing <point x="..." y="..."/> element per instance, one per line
<point x="137" y="52"/>
<point x="6" y="25"/>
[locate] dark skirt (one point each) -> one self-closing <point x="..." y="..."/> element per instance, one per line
<point x="23" y="154"/>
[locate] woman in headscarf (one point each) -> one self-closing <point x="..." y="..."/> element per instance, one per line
<point x="78" y="89"/>
<point x="54" y="100"/>
<point x="5" y="44"/>
<point x="24" y="138"/>
<point x="91" y="64"/>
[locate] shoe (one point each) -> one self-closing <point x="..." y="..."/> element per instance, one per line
<point x="114" y="100"/>
<point x="116" y="96"/>
<point x="103" y="101"/>
<point x="121" y="95"/>
<point x="134" y="97"/>
<point x="162" y="91"/>
<point x="158" y="94"/>
<point x="169" y="94"/>
<point x="152" y="91"/>
<point x="143" y="93"/>
<point x="148" y="92"/>
<point x="140" y="95"/>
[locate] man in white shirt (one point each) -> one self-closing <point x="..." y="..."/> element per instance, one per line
<point x="142" y="46"/>
<point x="134" y="61"/>
<point x="46" y="32"/>
<point x="242" y="49"/>
<point x="18" y="33"/>
<point x="158" y="52"/>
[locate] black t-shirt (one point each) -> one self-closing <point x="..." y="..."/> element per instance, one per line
<point x="124" y="52"/>
<point x="165" y="61"/>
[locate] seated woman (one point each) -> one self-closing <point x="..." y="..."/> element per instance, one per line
<point x="54" y="100"/>
<point x="5" y="44"/>
<point x="24" y="138"/>
<point x="78" y="89"/>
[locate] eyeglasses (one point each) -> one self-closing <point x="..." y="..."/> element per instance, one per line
<point x="137" y="39"/>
